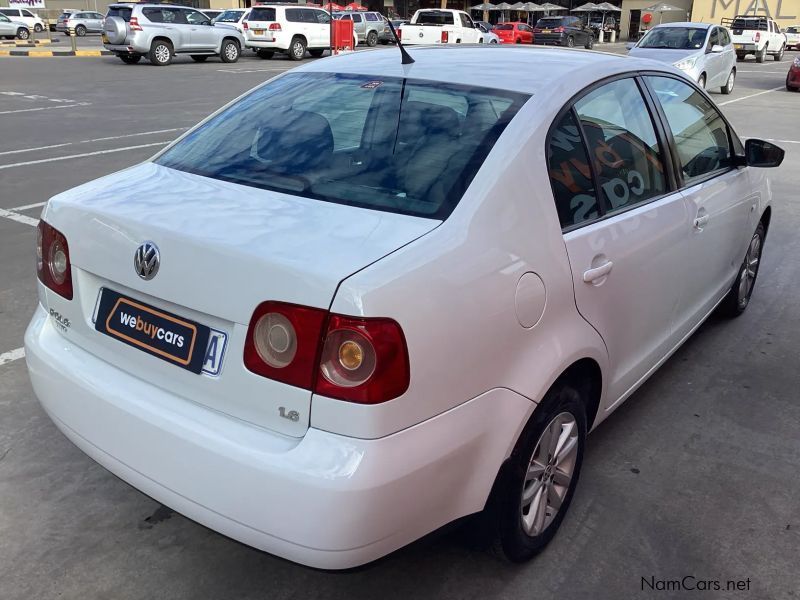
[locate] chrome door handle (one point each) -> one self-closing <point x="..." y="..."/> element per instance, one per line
<point x="598" y="272"/>
<point x="701" y="222"/>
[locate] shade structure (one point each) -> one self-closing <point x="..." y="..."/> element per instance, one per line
<point x="533" y="7"/>
<point x="608" y="7"/>
<point x="332" y="6"/>
<point x="550" y="6"/>
<point x="663" y="7"/>
<point x="484" y="6"/>
<point x="588" y="7"/>
<point x="502" y="6"/>
<point x="355" y="6"/>
<point x="518" y="6"/>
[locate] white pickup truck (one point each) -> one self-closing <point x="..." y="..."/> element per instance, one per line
<point x="440" y="26"/>
<point x="756" y="34"/>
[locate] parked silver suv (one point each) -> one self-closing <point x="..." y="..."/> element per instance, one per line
<point x="82" y="22"/>
<point x="159" y="31"/>
<point x="368" y="26"/>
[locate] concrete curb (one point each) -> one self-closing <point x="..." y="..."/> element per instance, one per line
<point x="26" y="42"/>
<point x="52" y="53"/>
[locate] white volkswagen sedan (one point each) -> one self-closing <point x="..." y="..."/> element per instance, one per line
<point x="366" y="299"/>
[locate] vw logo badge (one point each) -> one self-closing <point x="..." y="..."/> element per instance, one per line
<point x="146" y="260"/>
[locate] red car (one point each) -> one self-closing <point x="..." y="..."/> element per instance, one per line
<point x="514" y="33"/>
<point x="793" y="78"/>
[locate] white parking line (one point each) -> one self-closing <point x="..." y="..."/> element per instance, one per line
<point x="8" y="357"/>
<point x="82" y="155"/>
<point x="102" y="139"/>
<point x="27" y="206"/>
<point x="18" y="218"/>
<point x="783" y="87"/>
<point x="22" y="110"/>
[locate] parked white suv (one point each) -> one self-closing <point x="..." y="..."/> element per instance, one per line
<point x="440" y="26"/>
<point x="758" y="35"/>
<point x="22" y="15"/>
<point x="366" y="300"/>
<point x="288" y="29"/>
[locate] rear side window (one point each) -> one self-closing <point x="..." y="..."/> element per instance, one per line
<point x="294" y="15"/>
<point x="390" y="144"/>
<point x="123" y="12"/>
<point x="623" y="145"/>
<point x="371" y="17"/>
<point x="9" y="12"/>
<point x="435" y="18"/>
<point x="701" y="135"/>
<point x="262" y="14"/>
<point x="570" y="174"/>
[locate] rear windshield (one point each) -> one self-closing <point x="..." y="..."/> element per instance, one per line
<point x="791" y="30"/>
<point x="262" y="14"/>
<point x="754" y="24"/>
<point x="550" y="22"/>
<point x="385" y="143"/>
<point x="504" y="27"/>
<point x="435" y="18"/>
<point x="124" y="12"/>
<point x="675" y="38"/>
<point x="230" y="16"/>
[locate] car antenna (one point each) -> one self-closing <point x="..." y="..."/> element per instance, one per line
<point x="407" y="60"/>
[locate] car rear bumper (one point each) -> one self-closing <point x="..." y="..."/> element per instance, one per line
<point x="324" y="500"/>
<point x="745" y="48"/>
<point x="543" y="39"/>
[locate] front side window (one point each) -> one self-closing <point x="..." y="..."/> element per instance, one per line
<point x="356" y="18"/>
<point x="194" y="17"/>
<point x="713" y="39"/>
<point x="27" y="13"/>
<point x="622" y="144"/>
<point x="321" y="17"/>
<point x="700" y="133"/>
<point x="385" y="143"/>
<point x="570" y="174"/>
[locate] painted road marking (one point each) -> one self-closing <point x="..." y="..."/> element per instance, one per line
<point x="22" y="110"/>
<point x="83" y="155"/>
<point x="783" y="87"/>
<point x="8" y="357"/>
<point x="102" y="139"/>
<point x="27" y="206"/>
<point x="18" y="218"/>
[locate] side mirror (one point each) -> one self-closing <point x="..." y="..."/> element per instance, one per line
<point x="630" y="45"/>
<point x="716" y="49"/>
<point x="759" y="153"/>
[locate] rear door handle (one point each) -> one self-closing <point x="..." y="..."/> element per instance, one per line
<point x="598" y="272"/>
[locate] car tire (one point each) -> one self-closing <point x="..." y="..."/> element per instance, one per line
<point x="80" y="31"/>
<point x="38" y="28"/>
<point x="740" y="57"/>
<point x="570" y="42"/>
<point x="493" y="42"/>
<point x="297" y="49"/>
<point x="317" y="52"/>
<point x="779" y="55"/>
<point x="23" y="33"/>
<point x="161" y="53"/>
<point x="199" y="57"/>
<point x="760" y="56"/>
<point x="702" y="81"/>
<point x="372" y="39"/>
<point x="130" y="60"/>
<point x="522" y="508"/>
<point x="589" y="43"/>
<point x="518" y="41"/>
<point x="265" y="54"/>
<point x="738" y="297"/>
<point x="230" y="51"/>
<point x="728" y="87"/>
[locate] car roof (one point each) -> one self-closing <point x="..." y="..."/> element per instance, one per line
<point x="687" y="24"/>
<point x="530" y="70"/>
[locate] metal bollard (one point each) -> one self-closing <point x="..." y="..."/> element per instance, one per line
<point x="72" y="39"/>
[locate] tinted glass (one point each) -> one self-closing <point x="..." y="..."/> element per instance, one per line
<point x="549" y="22"/>
<point x="504" y="27"/>
<point x="435" y="18"/>
<point x="124" y="12"/>
<point x="701" y="136"/>
<point x="229" y="16"/>
<point x="622" y="143"/>
<point x="752" y="24"/>
<point x="675" y="38"/>
<point x="372" y="17"/>
<point x="294" y="15"/>
<point x="713" y="38"/>
<point x="389" y="144"/>
<point x="11" y="12"/>
<point x="262" y="14"/>
<point x="570" y="174"/>
<point x="356" y="18"/>
<point x="4" y="18"/>
<point x="724" y="37"/>
<point x="792" y="30"/>
<point x="320" y="16"/>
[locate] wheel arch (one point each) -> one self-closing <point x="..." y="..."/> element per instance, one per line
<point x="766" y="217"/>
<point x="162" y="38"/>
<point x="586" y="375"/>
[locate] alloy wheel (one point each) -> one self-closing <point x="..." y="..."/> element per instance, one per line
<point x="231" y="51"/>
<point x="162" y="53"/>
<point x="747" y="277"/>
<point x="297" y="50"/>
<point x="731" y="82"/>
<point x="549" y="474"/>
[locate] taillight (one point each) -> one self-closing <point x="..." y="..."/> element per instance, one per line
<point x="445" y="37"/>
<point x="274" y="26"/>
<point x="283" y="342"/>
<point x="362" y="360"/>
<point x="245" y="26"/>
<point x="757" y="37"/>
<point x="134" y="23"/>
<point x="52" y="260"/>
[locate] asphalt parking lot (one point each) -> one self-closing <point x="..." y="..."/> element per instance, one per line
<point x="696" y="475"/>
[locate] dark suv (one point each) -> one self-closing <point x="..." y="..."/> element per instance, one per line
<point x="562" y="31"/>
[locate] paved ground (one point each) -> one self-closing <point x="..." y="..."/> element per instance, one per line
<point x="697" y="474"/>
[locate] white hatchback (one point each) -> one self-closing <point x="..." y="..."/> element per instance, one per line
<point x="366" y="299"/>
